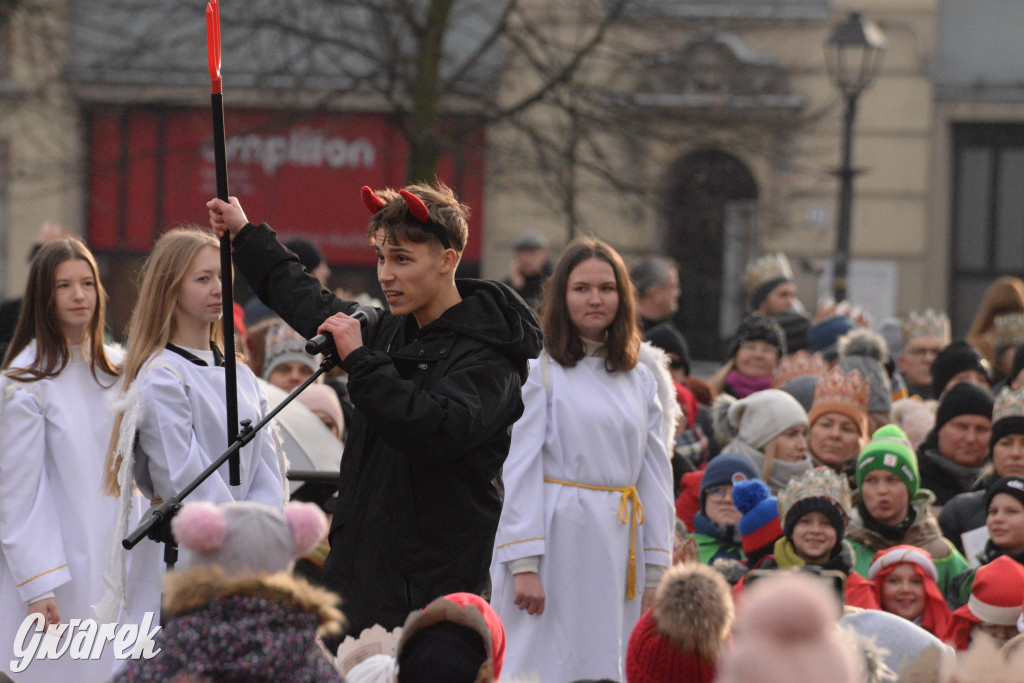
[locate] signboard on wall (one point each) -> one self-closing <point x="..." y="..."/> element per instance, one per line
<point x="151" y="168"/>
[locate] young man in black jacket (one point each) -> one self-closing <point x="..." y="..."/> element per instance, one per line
<point x="436" y="387"/>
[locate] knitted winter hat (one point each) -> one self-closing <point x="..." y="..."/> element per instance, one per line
<point x="889" y="449"/>
<point x="1011" y="486"/>
<point x="759" y="526"/>
<point x="285" y="345"/>
<point x="764" y="415"/>
<point x="726" y="468"/>
<point x="802" y="389"/>
<point x="963" y="399"/>
<point x="680" y="637"/>
<point x="1007" y="414"/>
<point x="822" y="490"/>
<point x="248" y="537"/>
<point x="669" y="339"/>
<point x="441" y="641"/>
<point x="786" y="631"/>
<point x="996" y="598"/>
<point x="795" y="325"/>
<point x="756" y="327"/>
<point x="846" y="394"/>
<point x="952" y="360"/>
<point x="863" y="350"/>
<point x="824" y="335"/>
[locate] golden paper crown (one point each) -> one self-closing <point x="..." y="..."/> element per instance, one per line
<point x="797" y="364"/>
<point x="820" y="482"/>
<point x="766" y="269"/>
<point x="1008" y="403"/>
<point x="836" y="386"/>
<point x="928" y="324"/>
<point x="1009" y="329"/>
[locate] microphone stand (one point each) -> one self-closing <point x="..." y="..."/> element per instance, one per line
<point x="157" y="522"/>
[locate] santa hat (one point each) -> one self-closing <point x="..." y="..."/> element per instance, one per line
<point x="996" y="598"/>
<point x="679" y="638"/>
<point x="786" y="631"/>
<point x="935" y="618"/>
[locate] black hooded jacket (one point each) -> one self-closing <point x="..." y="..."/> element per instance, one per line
<point x="420" y="487"/>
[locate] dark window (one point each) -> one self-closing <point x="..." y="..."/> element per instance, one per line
<point x="988" y="213"/>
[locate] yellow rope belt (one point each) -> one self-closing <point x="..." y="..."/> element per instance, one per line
<point x="634" y="516"/>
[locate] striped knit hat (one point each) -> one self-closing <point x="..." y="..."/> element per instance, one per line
<point x="759" y="526"/>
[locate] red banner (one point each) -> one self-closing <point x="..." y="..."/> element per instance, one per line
<point x="152" y="168"/>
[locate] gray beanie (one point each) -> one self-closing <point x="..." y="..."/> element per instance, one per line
<point x="764" y="415"/>
<point x="867" y="352"/>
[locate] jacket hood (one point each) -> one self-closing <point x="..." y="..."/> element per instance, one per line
<point x="191" y="589"/>
<point x="494" y="314"/>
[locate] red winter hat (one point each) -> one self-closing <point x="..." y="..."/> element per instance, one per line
<point x="996" y="598"/>
<point x="679" y="638"/>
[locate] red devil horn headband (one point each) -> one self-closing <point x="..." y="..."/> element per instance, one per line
<point x="372" y="201"/>
<point x="416" y="206"/>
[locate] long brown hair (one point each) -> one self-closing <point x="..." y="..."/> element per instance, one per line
<point x="561" y="338"/>
<point x="152" y="322"/>
<point x="39" y="320"/>
<point x="1004" y="295"/>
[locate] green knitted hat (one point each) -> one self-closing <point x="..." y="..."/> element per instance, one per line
<point x="890" y="449"/>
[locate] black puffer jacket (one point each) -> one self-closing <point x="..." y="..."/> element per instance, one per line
<point x="420" y="489"/>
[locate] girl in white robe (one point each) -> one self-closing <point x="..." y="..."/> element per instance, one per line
<point x="586" y="528"/>
<point x="173" y="422"/>
<point x="57" y="381"/>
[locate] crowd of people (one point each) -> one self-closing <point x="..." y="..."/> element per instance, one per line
<point x="534" y="486"/>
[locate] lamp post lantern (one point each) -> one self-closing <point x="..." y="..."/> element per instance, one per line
<point x="853" y="55"/>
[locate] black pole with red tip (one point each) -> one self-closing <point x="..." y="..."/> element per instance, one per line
<point x="227" y="296"/>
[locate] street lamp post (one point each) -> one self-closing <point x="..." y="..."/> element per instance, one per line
<point x="853" y="55"/>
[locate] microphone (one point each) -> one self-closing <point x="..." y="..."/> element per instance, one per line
<point x="324" y="343"/>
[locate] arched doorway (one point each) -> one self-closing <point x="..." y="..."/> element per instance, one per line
<point x="710" y="211"/>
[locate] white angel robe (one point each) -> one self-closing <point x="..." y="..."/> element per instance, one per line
<point x="601" y="429"/>
<point x="54" y="518"/>
<point x="181" y="429"/>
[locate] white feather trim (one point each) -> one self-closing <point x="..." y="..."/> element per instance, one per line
<point x="657" y="362"/>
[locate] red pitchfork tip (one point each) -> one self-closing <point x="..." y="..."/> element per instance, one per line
<point x="372" y="201"/>
<point x="416" y="206"/>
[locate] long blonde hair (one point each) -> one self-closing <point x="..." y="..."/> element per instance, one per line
<point x="39" y="321"/>
<point x="152" y="323"/>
